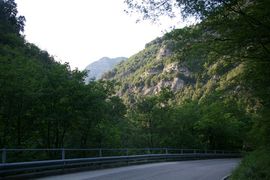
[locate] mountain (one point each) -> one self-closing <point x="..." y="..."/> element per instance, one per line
<point x="97" y="68"/>
<point x="178" y="62"/>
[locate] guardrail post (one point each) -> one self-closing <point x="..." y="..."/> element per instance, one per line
<point x="63" y="154"/>
<point x="194" y="151"/>
<point x="100" y="152"/>
<point x="4" y="155"/>
<point x="166" y="150"/>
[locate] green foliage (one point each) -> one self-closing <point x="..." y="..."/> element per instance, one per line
<point x="181" y="126"/>
<point x="228" y="54"/>
<point x="9" y="21"/>
<point x="222" y="123"/>
<point x="255" y="166"/>
<point x="212" y="124"/>
<point x="46" y="104"/>
<point x="153" y="9"/>
<point x="223" y="104"/>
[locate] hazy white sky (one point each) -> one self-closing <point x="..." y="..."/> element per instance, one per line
<point x="83" y="31"/>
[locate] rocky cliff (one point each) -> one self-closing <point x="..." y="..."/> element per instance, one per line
<point x="177" y="62"/>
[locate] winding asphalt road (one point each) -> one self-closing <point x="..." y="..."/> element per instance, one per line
<point x="182" y="170"/>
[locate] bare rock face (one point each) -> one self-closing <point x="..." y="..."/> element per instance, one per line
<point x="164" y="52"/>
<point x="148" y="91"/>
<point x="177" y="84"/>
<point x="163" y="84"/>
<point x="185" y="71"/>
<point x="172" y="71"/>
<point x="173" y="67"/>
<point x="152" y="71"/>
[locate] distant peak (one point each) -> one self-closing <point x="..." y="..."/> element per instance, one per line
<point x="98" y="68"/>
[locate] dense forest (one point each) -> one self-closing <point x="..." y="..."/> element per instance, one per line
<point x="206" y="86"/>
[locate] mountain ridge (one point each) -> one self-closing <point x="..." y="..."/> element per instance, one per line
<point x="164" y="64"/>
<point x="104" y="64"/>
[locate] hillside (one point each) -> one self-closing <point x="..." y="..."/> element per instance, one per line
<point x="165" y="63"/>
<point x="99" y="67"/>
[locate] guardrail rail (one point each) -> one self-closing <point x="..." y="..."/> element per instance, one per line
<point x="37" y="161"/>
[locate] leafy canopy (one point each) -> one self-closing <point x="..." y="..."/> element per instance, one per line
<point x="9" y="20"/>
<point x="153" y="9"/>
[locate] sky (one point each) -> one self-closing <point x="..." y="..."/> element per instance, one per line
<point x="83" y="31"/>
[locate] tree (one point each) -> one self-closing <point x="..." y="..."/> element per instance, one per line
<point x="222" y="126"/>
<point x="45" y="104"/>
<point x="9" y="21"/>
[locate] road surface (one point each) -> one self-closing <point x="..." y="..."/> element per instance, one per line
<point x="182" y="170"/>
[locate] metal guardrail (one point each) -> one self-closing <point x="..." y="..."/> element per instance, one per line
<point x="115" y="156"/>
<point x="22" y="155"/>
